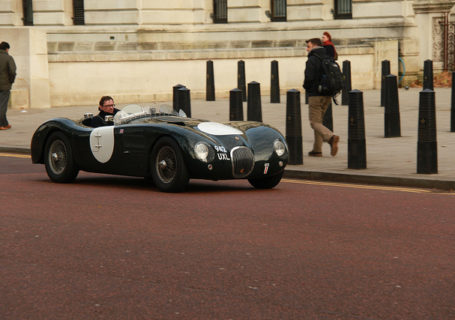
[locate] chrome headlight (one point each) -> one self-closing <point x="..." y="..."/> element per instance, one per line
<point x="202" y="151"/>
<point x="279" y="147"/>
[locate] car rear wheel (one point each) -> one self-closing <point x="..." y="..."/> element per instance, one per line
<point x="267" y="182"/>
<point x="169" y="172"/>
<point x="58" y="159"/>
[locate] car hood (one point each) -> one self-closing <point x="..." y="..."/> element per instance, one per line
<point x="209" y="127"/>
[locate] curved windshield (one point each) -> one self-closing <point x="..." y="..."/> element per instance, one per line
<point x="134" y="111"/>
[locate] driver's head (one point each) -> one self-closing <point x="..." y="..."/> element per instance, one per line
<point x="107" y="104"/>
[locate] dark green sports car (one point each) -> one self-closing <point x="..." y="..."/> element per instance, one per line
<point x="166" y="147"/>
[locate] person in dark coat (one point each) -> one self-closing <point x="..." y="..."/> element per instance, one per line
<point x="106" y="108"/>
<point x="317" y="102"/>
<point x="7" y="77"/>
<point x="329" y="46"/>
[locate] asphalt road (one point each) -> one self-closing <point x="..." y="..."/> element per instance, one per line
<point x="108" y="247"/>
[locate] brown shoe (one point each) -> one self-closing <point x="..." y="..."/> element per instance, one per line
<point x="315" y="154"/>
<point x="8" y="126"/>
<point x="334" y="145"/>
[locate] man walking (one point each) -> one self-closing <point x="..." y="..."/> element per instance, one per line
<point x="318" y="103"/>
<point x="7" y="77"/>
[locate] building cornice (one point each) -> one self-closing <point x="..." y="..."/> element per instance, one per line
<point x="433" y="6"/>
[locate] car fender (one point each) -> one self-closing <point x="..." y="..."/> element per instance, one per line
<point x="41" y="134"/>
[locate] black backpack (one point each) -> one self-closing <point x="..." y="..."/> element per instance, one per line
<point x="332" y="80"/>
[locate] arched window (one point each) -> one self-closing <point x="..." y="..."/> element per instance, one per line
<point x="220" y="11"/>
<point x="27" y="6"/>
<point x="78" y="11"/>
<point x="343" y="9"/>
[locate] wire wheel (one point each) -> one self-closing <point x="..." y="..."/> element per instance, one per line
<point x="166" y="160"/>
<point x="58" y="159"/>
<point x="168" y="169"/>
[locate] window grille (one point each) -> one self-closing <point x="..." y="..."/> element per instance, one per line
<point x="220" y="11"/>
<point x="343" y="9"/>
<point x="78" y="11"/>
<point x="27" y="6"/>
<point x="278" y="10"/>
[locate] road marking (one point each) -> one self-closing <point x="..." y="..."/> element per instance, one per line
<point x="15" y="155"/>
<point x="363" y="186"/>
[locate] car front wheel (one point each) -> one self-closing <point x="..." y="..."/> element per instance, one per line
<point x="59" y="162"/>
<point x="266" y="182"/>
<point x="168" y="169"/>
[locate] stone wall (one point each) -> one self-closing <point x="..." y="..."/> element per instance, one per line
<point x="29" y="50"/>
<point x="150" y="76"/>
<point x="137" y="50"/>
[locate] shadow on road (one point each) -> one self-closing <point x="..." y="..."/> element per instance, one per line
<point x="129" y="183"/>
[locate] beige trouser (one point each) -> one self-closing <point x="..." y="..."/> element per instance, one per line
<point x="317" y="108"/>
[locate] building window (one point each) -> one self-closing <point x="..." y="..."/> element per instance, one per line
<point x="343" y="9"/>
<point x="220" y="11"/>
<point x="28" y="12"/>
<point x="78" y="10"/>
<point x="278" y="10"/>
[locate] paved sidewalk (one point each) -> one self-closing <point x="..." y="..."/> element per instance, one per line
<point x="390" y="161"/>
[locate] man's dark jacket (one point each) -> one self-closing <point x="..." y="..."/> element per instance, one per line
<point x="99" y="119"/>
<point x="313" y="71"/>
<point x="7" y="71"/>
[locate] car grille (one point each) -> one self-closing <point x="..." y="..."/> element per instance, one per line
<point x="242" y="161"/>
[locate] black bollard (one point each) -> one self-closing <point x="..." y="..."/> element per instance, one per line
<point x="175" y="96"/>
<point x="184" y="100"/>
<point x="235" y="105"/>
<point x="254" y="111"/>
<point x="392" y="126"/>
<point x="385" y="72"/>
<point x="357" y="155"/>
<point x="347" y="83"/>
<point x="327" y="121"/>
<point x="428" y="75"/>
<point x="241" y="82"/>
<point x="452" y="109"/>
<point x="294" y="127"/>
<point x="210" y="83"/>
<point x="274" y="83"/>
<point x="427" y="153"/>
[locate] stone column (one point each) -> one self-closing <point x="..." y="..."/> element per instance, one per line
<point x="11" y="13"/>
<point x="29" y="50"/>
<point x="385" y="50"/>
<point x="52" y="12"/>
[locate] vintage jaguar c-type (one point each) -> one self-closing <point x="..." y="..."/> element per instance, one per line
<point x="164" y="146"/>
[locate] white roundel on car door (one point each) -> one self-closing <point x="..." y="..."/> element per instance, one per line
<point x="102" y="143"/>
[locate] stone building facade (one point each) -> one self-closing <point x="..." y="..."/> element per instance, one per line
<point x="70" y="52"/>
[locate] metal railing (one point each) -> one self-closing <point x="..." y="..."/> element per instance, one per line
<point x="343" y="9"/>
<point x="278" y="10"/>
<point x="78" y="11"/>
<point x="27" y="6"/>
<point x="220" y="11"/>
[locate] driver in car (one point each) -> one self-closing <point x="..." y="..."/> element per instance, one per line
<point x="106" y="108"/>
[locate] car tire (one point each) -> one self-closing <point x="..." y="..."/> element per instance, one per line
<point x="266" y="182"/>
<point x="168" y="169"/>
<point x="58" y="159"/>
